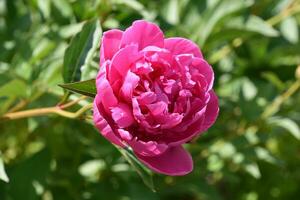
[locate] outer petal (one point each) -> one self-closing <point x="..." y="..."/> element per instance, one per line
<point x="143" y="34"/>
<point x="177" y="46"/>
<point x="212" y="111"/>
<point x="103" y="126"/>
<point x="175" y="161"/>
<point x="206" y="70"/>
<point x="110" y="44"/>
<point x="105" y="93"/>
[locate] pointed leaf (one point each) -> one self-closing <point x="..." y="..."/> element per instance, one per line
<point x="87" y="88"/>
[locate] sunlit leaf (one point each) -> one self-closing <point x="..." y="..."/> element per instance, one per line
<point x="288" y="124"/>
<point x="77" y="52"/>
<point x="289" y="29"/>
<point x="3" y="175"/>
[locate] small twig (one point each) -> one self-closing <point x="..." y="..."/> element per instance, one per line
<point x="71" y="103"/>
<point x="274" y="107"/>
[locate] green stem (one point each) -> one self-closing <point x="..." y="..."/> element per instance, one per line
<point x="46" y="111"/>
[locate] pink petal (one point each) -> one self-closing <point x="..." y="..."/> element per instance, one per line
<point x="122" y="115"/>
<point x="212" y="111"/>
<point x="150" y="148"/>
<point x="143" y="34"/>
<point x="122" y="61"/>
<point x="206" y="70"/>
<point x="130" y="83"/>
<point x="103" y="126"/>
<point x="175" y="161"/>
<point x="110" y="44"/>
<point x="146" y="98"/>
<point x="177" y="46"/>
<point x="105" y="93"/>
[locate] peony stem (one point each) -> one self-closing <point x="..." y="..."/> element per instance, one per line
<point x="45" y="111"/>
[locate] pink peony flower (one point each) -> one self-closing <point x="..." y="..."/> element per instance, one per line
<point x="153" y="94"/>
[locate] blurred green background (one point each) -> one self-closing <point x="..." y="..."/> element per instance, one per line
<point x="253" y="150"/>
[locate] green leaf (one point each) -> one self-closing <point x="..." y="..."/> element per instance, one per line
<point x="87" y="88"/>
<point x="288" y="124"/>
<point x="78" y="50"/>
<point x="144" y="172"/>
<point x="3" y="175"/>
<point x="217" y="12"/>
<point x="289" y="30"/>
<point x="254" y="24"/>
<point x="14" y="88"/>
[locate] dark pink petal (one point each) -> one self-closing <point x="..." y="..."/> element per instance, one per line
<point x="206" y="70"/>
<point x="212" y="111"/>
<point x="103" y="126"/>
<point x="110" y="44"/>
<point x="143" y="34"/>
<point x="175" y="161"/>
<point x="177" y="46"/>
<point x="122" y="115"/>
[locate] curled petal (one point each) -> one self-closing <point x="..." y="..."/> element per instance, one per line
<point x="122" y="115"/>
<point x="110" y="44"/>
<point x="122" y="61"/>
<point x="103" y="126"/>
<point x="143" y="34"/>
<point x="177" y="46"/>
<point x="130" y="83"/>
<point x="175" y="161"/>
<point x="212" y="111"/>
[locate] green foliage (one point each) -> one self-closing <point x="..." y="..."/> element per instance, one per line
<point x="252" y="152"/>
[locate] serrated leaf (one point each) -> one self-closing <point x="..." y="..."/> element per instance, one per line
<point x="3" y="175"/>
<point x="78" y="50"/>
<point x="87" y="88"/>
<point x="289" y="30"/>
<point x="288" y="124"/>
<point x="144" y="173"/>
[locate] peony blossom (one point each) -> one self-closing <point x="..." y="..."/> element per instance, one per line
<point x="153" y="94"/>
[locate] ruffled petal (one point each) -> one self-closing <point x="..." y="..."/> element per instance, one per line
<point x="122" y="115"/>
<point x="150" y="148"/>
<point x="175" y="161"/>
<point x="143" y="34"/>
<point x="110" y="44"/>
<point x="177" y="46"/>
<point x="122" y="61"/>
<point x="103" y="126"/>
